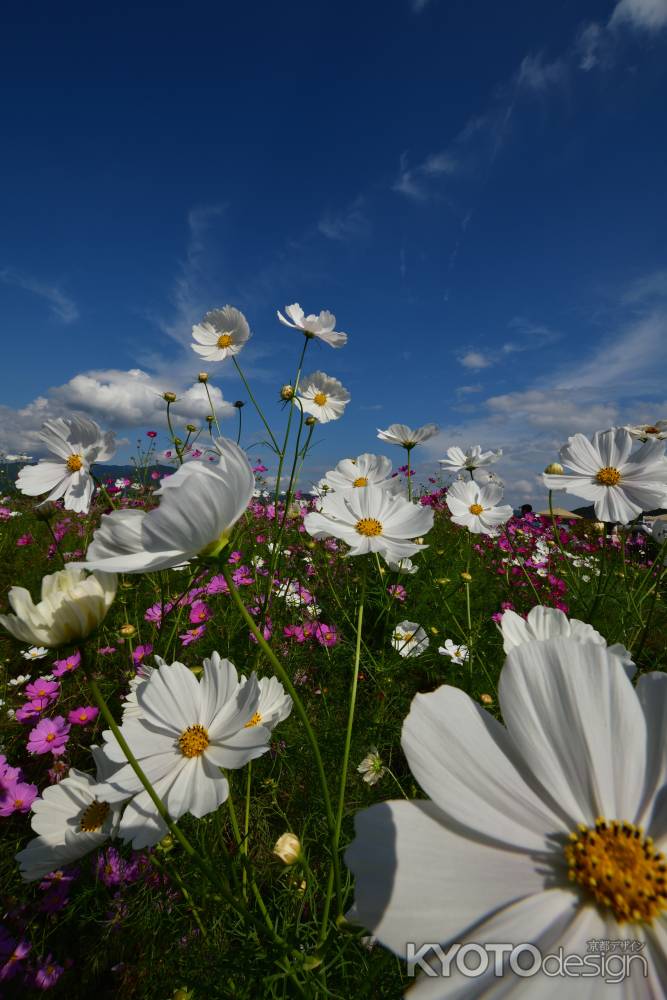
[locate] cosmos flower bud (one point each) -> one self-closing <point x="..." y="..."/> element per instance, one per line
<point x="210" y="418"/>
<point x="466" y="577"/>
<point x="178" y="441"/>
<point x="287" y="392"/>
<point x="310" y="421"/>
<point x="599" y="527"/>
<point x="288" y="848"/>
<point x="127" y="631"/>
<point x="191" y="428"/>
<point x="486" y="699"/>
<point x="554" y="469"/>
<point x="239" y="404"/>
<point x="202" y="377"/>
<point x="169" y="397"/>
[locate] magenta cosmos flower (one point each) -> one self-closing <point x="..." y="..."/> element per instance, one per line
<point x="49" y="736"/>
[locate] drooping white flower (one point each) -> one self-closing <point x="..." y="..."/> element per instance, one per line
<point x="648" y="432"/>
<point x="476" y="507"/>
<point x="364" y="470"/>
<point x="274" y="705"/>
<point x="78" y="443"/>
<point x="545" y="623"/>
<point x="371" y="520"/>
<point x="459" y="460"/>
<point x="407" y="437"/>
<point x="221" y="334"/>
<point x="409" y="639"/>
<point x="186" y="732"/>
<point x="404" y="565"/>
<point x="322" y="396"/>
<point x="322" y="327"/>
<point x="456" y="653"/>
<point x="372" y="767"/>
<point x="73" y="604"/>
<point x="199" y="504"/>
<point x="71" y="820"/>
<point x="620" y="484"/>
<point x="537" y="832"/>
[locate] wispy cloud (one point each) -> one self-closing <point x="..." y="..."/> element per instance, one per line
<point x="61" y="306"/>
<point x="350" y="224"/>
<point x="647" y="15"/>
<point x="414" y="182"/>
<point x="475" y="360"/>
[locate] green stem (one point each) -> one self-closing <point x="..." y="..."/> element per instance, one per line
<point x="409" y="450"/>
<point x="213" y="413"/>
<point x="301" y="712"/>
<point x="255" y="404"/>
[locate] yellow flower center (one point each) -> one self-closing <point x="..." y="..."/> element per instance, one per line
<point x="225" y="340"/>
<point x="193" y="741"/>
<point x="620" y="868"/>
<point x="319" y="398"/>
<point x="93" y="817"/>
<point x="475" y="508"/>
<point x="255" y="721"/>
<point x="74" y="463"/>
<point x="360" y="481"/>
<point x="406" y="637"/>
<point x="608" y="476"/>
<point x="369" y="526"/>
<point x="50" y="737"/>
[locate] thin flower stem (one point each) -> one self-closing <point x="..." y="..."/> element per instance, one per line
<point x="203" y="865"/>
<point x="303" y="715"/>
<point x="256" y="404"/>
<point x="213" y="413"/>
<point x="179" y="454"/>
<point x="654" y="598"/>
<point x="283" y="450"/>
<point x="409" y="450"/>
<point x="173" y="873"/>
<point x="246" y="862"/>
<point x="238" y="436"/>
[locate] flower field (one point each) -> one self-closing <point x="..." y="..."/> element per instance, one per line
<point x="265" y="738"/>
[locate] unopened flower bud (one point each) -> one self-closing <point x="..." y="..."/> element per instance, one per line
<point x="45" y="511"/>
<point x="554" y="469"/>
<point x="202" y="377"/>
<point x="310" y="421"/>
<point x="166" y="843"/>
<point x="178" y="441"/>
<point x="287" y="392"/>
<point x="486" y="699"/>
<point x="288" y="848"/>
<point x="191" y="428"/>
<point x="169" y="397"/>
<point x="599" y="526"/>
<point x="466" y="577"/>
<point x="239" y="404"/>
<point x="127" y="630"/>
<point x="210" y="418"/>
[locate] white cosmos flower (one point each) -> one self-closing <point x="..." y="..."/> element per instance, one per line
<point x="533" y="833"/>
<point x="372" y="767"/>
<point x="364" y="470"/>
<point x="371" y="520"/>
<point x="73" y="604"/>
<point x="404" y="565"/>
<point x="456" y="653"/>
<point x="475" y="507"/>
<point x="407" y="437"/>
<point x="78" y="442"/>
<point x="322" y="327"/>
<point x="545" y="623"/>
<point x="186" y="732"/>
<point x="35" y="653"/>
<point x="459" y="460"/>
<point x="221" y="334"/>
<point x="199" y="504"/>
<point x="274" y="705"/>
<point x="70" y="820"/>
<point x="322" y="396"/>
<point x="648" y="432"/>
<point x="619" y="484"/>
<point x="409" y="639"/>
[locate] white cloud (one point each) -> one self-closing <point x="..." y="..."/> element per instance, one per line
<point x="649" y="15"/>
<point x="115" y="399"/>
<point x="62" y="307"/>
<point x="538" y="75"/>
<point x="350" y="224"/>
<point x="466" y="390"/>
<point x="475" y="360"/>
<point x="415" y="182"/>
<point x="418" y="5"/>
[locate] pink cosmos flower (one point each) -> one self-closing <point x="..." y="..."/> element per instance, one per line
<point x="397" y="591"/>
<point x="68" y="665"/>
<point x="260" y="468"/>
<point x="192" y="634"/>
<point x="5" y="513"/>
<point x="12" y="953"/>
<point x="217" y="585"/>
<point x="326" y="635"/>
<point x="49" y="736"/>
<point x="8" y="773"/>
<point x="31" y="709"/>
<point x="25" y="540"/>
<point x="83" y="715"/>
<point x="106" y="651"/>
<point x="294" y="632"/>
<point x="48" y="974"/>
<point x="200" y="612"/>
<point x="16" y="796"/>
<point x="43" y="688"/>
<point x="151" y="434"/>
<point x="140" y="652"/>
<point x="242" y="577"/>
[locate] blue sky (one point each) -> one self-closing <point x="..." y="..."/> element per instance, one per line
<point x="476" y="190"/>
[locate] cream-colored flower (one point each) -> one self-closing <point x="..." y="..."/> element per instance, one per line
<point x="73" y="604"/>
<point x="372" y="767"/>
<point x="288" y="848"/>
<point x="407" y="437"/>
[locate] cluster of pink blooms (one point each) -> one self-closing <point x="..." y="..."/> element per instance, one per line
<point x="16" y="795"/>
